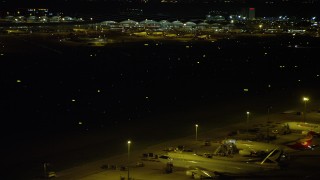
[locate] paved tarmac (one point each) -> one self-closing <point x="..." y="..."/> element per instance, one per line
<point x="302" y="164"/>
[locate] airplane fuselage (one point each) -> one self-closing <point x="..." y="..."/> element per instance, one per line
<point x="304" y="126"/>
<point x="227" y="167"/>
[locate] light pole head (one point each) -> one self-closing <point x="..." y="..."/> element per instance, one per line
<point x="197" y="125"/>
<point x="129" y="142"/>
<point x="248" y="112"/>
<point x="305" y="99"/>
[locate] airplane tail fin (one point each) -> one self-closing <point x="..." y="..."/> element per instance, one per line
<point x="273" y="157"/>
<point x="303" y="143"/>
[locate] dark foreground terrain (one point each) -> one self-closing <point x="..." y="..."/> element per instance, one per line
<point x="71" y="104"/>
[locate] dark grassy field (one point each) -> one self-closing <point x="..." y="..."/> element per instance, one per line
<point x="71" y="104"/>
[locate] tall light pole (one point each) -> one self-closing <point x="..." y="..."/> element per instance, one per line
<point x="129" y="142"/>
<point x="268" y="119"/>
<point x="305" y="99"/>
<point x="248" y="114"/>
<point x="197" y="132"/>
<point x="45" y="170"/>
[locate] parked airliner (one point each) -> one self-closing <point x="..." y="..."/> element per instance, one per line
<point x="202" y="167"/>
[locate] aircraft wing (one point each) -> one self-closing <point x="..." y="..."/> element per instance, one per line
<point x="200" y="173"/>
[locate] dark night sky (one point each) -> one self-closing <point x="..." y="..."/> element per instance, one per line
<point x="262" y="9"/>
<point x="103" y="9"/>
<point x="43" y="95"/>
